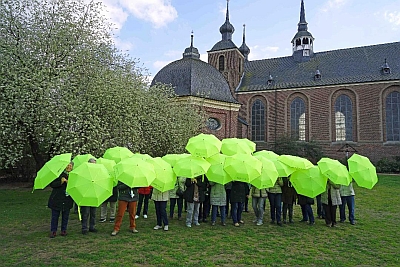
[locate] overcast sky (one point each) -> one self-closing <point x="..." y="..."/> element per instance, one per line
<point x="157" y="31"/>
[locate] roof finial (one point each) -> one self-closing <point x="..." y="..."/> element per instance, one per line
<point x="244" y="33"/>
<point x="191" y="39"/>
<point x="227" y="10"/>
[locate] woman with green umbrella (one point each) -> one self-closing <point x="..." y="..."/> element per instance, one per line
<point x="330" y="201"/>
<point x="60" y="202"/>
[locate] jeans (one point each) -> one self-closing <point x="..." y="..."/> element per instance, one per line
<point x="161" y="212"/>
<point x="55" y="214"/>
<point x="287" y="207"/>
<point x="192" y="213"/>
<point x="87" y="212"/>
<point x="349" y="200"/>
<point x="304" y="212"/>
<point x="237" y="208"/>
<point x="275" y="206"/>
<point x="146" y="204"/>
<point x="214" y="213"/>
<point x="103" y="210"/>
<point x="309" y="212"/>
<point x="173" y="202"/>
<point x="258" y="207"/>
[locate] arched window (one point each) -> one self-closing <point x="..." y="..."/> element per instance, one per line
<point x="298" y="119"/>
<point x="344" y="118"/>
<point x="298" y="42"/>
<point x="221" y="63"/>
<point x="258" y="121"/>
<point x="393" y="117"/>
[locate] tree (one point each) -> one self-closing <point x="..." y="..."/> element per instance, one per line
<point x="64" y="87"/>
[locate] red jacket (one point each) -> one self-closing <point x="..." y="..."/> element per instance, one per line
<point x="145" y="190"/>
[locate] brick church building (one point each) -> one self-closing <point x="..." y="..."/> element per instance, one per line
<point x="346" y="97"/>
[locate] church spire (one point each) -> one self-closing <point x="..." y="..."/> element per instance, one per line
<point x="244" y="49"/>
<point x="302" y="25"/>
<point x="303" y="41"/>
<point x="227" y="28"/>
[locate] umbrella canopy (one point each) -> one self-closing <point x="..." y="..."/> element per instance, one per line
<point x="334" y="170"/>
<point x="309" y="182"/>
<point x="216" y="172"/>
<point x="117" y="153"/>
<point x="173" y="158"/>
<point x="79" y="159"/>
<point x="191" y="166"/>
<point x="109" y="164"/>
<point x="165" y="177"/>
<point x="283" y="169"/>
<point x="89" y="184"/>
<point x="135" y="172"/>
<point x="51" y="170"/>
<point x="141" y="156"/>
<point x="267" y="154"/>
<point x="232" y="146"/>
<point x="243" y="167"/>
<point x="362" y="171"/>
<point x="268" y="176"/>
<point x="295" y="162"/>
<point x="204" y="145"/>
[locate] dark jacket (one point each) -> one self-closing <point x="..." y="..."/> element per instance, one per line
<point x="239" y="191"/>
<point x="189" y="192"/>
<point x="303" y="200"/>
<point x="58" y="199"/>
<point x="289" y="194"/>
<point x="114" y="196"/>
<point x="124" y="192"/>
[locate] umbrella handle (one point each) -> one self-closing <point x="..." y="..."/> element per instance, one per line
<point x="79" y="213"/>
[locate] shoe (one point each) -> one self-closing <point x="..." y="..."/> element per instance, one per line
<point x="311" y="223"/>
<point x="255" y="220"/>
<point x="236" y="224"/>
<point x="279" y="223"/>
<point x="342" y="221"/>
<point x="114" y="233"/>
<point x="53" y="234"/>
<point x="136" y="216"/>
<point x="145" y="216"/>
<point x="63" y="233"/>
<point x="204" y="221"/>
<point x="102" y="220"/>
<point x="85" y="232"/>
<point x="213" y="223"/>
<point x="112" y="220"/>
<point x="179" y="218"/>
<point x="94" y="230"/>
<point x="241" y="221"/>
<point x="157" y="227"/>
<point x="188" y="225"/>
<point x="197" y="224"/>
<point x="259" y="223"/>
<point x="284" y="221"/>
<point x="133" y="230"/>
<point x="272" y="222"/>
<point x="165" y="227"/>
<point x="352" y="222"/>
<point x="291" y="221"/>
<point x="328" y="225"/>
<point x="223" y="224"/>
<point x="303" y="220"/>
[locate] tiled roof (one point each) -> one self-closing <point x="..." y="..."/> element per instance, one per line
<point x="193" y="77"/>
<point x="344" y="66"/>
<point x="223" y="44"/>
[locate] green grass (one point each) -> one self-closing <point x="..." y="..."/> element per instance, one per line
<point x="373" y="241"/>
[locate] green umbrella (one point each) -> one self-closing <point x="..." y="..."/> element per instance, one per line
<point x="334" y="170"/>
<point x="135" y="172"/>
<point x="267" y="154"/>
<point x="216" y="172"/>
<point x="191" y="166"/>
<point x="268" y="176"/>
<point x="89" y="184"/>
<point x="362" y="171"/>
<point x="165" y="177"/>
<point x="141" y="156"/>
<point x="51" y="170"/>
<point x="109" y="164"/>
<point x="243" y="167"/>
<point x="173" y="158"/>
<point x="232" y="146"/>
<point x="117" y="153"/>
<point x="295" y="161"/>
<point x="309" y="182"/>
<point x="204" y="145"/>
<point x="283" y="169"/>
<point x="79" y="159"/>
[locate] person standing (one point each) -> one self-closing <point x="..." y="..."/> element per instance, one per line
<point x="330" y="200"/>
<point x="60" y="202"/>
<point x="228" y="189"/>
<point x="160" y="202"/>
<point x="127" y="199"/>
<point x="205" y="206"/>
<point x="217" y="200"/>
<point x="239" y="192"/>
<point x="258" y="200"/>
<point x="306" y="209"/>
<point x="194" y="194"/>
<point x="144" y="196"/>
<point x="275" y="201"/>
<point x="289" y="196"/>
<point x="113" y="206"/>
<point x="88" y="214"/>
<point x="174" y="199"/>
<point x="347" y="196"/>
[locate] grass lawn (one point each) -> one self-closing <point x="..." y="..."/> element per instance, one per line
<point x="373" y="241"/>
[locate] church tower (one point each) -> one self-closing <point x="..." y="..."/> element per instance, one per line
<point x="303" y="41"/>
<point x="225" y="55"/>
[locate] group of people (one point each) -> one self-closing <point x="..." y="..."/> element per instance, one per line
<point x="201" y="197"/>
